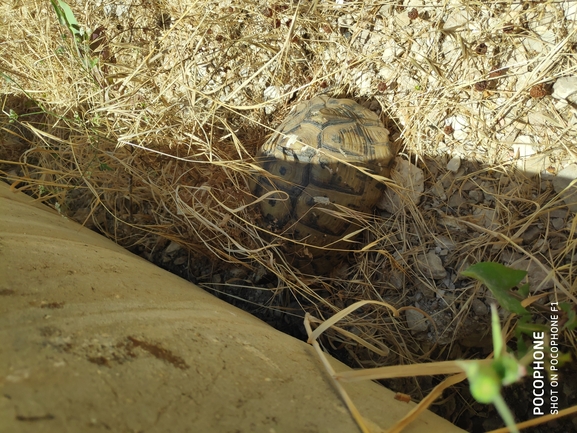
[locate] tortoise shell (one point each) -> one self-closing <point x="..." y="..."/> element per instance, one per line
<point x="313" y="161"/>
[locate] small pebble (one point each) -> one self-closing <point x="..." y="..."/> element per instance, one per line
<point x="566" y="88"/>
<point x="558" y="223"/>
<point x="454" y="164"/>
<point x="531" y="234"/>
<point x="479" y="308"/>
<point x="431" y="265"/>
<point x="416" y="321"/>
<point x="476" y="195"/>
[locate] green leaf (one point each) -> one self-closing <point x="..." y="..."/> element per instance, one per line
<point x="528" y="328"/>
<point x="65" y="14"/>
<point x="509" y="369"/>
<point x="498" y="343"/>
<point x="495" y="276"/>
<point x="59" y="12"/>
<point x="67" y="19"/>
<point x="505" y="413"/>
<point x="484" y="382"/>
<point x="499" y="279"/>
<point x="524" y="290"/>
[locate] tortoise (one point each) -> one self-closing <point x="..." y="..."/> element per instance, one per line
<point x="314" y="168"/>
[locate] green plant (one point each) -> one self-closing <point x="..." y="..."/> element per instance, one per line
<point x="500" y="280"/>
<point x="486" y="376"/>
<point x="80" y="34"/>
<point x="486" y="380"/>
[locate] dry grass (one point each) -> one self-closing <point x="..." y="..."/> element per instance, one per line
<point x="155" y="144"/>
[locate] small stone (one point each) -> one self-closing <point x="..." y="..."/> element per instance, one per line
<point x="566" y="88"/>
<point x="539" y="274"/>
<point x="524" y="147"/>
<point x="443" y="242"/>
<point x="438" y="190"/>
<point x="397" y="279"/>
<point x="431" y="265"/>
<point x="456" y="200"/>
<point x="259" y="273"/>
<point x="570" y="10"/>
<point x="533" y="165"/>
<point x="481" y="49"/>
<point x="487" y="218"/>
<point x="539" y="91"/>
<point x="411" y="181"/>
<point x="481" y="86"/>
<point x="179" y="261"/>
<point x="448" y="283"/>
<point x="460" y="125"/>
<point x="479" y="308"/>
<point x="541" y="245"/>
<point x="454" y="164"/>
<point x="413" y="14"/>
<point x="476" y="195"/>
<point x="531" y="235"/>
<point x="452" y="223"/>
<point x="172" y="247"/>
<point x="558" y="213"/>
<point x="558" y="223"/>
<point x="536" y="118"/>
<point x="562" y="181"/>
<point x="274" y="94"/>
<point x="416" y="321"/>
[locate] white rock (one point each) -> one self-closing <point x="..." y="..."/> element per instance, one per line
<point x="524" y="146"/>
<point x="407" y="83"/>
<point x="273" y="93"/>
<point x="548" y="36"/>
<point x="537" y="118"/>
<point x="431" y="265"/>
<point x="570" y="10"/>
<point x="541" y="37"/>
<point x="172" y="247"/>
<point x="411" y="184"/>
<point x="391" y="51"/>
<point x="460" y="126"/>
<point x="562" y="181"/>
<point x="533" y="165"/>
<point x="454" y="164"/>
<point x="346" y="21"/>
<point x="457" y="18"/>
<point x="363" y="81"/>
<point x="387" y="73"/>
<point x="566" y="88"/>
